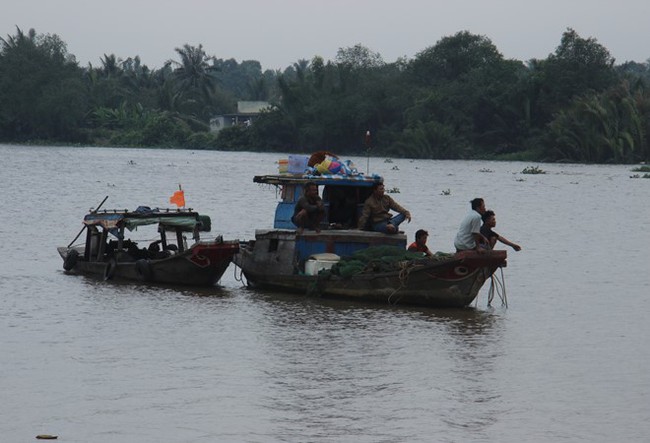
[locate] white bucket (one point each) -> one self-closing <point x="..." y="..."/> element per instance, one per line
<point x="318" y="262"/>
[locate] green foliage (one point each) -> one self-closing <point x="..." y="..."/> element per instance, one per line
<point x="533" y="170"/>
<point x="456" y="99"/>
<point x="135" y="126"/>
<point x="40" y="89"/>
<point x="471" y="101"/>
<point x="453" y="57"/>
<point x="359" y="57"/>
<point x="274" y="131"/>
<point x="578" y="66"/>
<point x="234" y="138"/>
<point x="201" y="140"/>
<point x="607" y="127"/>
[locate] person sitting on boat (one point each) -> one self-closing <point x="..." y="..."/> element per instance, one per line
<point x="489" y="222"/>
<point x="469" y="233"/>
<point x="376" y="212"/>
<point x="420" y="243"/>
<point x="309" y="210"/>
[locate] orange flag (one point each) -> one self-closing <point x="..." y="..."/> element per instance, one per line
<point x="178" y="198"/>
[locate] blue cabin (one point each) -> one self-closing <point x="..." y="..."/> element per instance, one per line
<point x="343" y="197"/>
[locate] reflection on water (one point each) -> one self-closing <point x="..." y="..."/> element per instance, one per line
<point x="107" y="361"/>
<point x="338" y="356"/>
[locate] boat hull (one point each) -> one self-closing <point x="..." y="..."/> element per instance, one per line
<point x="203" y="264"/>
<point x="451" y="282"/>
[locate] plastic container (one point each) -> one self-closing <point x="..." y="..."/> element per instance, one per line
<point x="297" y="164"/>
<point x="318" y="262"/>
<point x="283" y="166"/>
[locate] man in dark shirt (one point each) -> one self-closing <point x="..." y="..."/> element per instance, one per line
<point x="309" y="210"/>
<point x="489" y="222"/>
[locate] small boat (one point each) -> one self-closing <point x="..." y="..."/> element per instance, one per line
<point x="323" y="263"/>
<point x="107" y="252"/>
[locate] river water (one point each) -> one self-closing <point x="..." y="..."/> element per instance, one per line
<point x="92" y="361"/>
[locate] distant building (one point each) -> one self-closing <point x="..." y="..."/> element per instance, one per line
<point x="246" y="114"/>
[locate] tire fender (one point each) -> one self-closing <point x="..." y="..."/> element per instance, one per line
<point x="143" y="268"/>
<point x="70" y="260"/>
<point x="109" y="270"/>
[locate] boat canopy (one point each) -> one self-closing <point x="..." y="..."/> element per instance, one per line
<point x="111" y="219"/>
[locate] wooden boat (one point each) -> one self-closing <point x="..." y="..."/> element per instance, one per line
<point x="311" y="262"/>
<point x="107" y="252"/>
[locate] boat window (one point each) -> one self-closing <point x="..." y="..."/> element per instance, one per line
<point x="273" y="245"/>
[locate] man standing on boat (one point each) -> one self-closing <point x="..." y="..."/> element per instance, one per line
<point x="376" y="211"/>
<point x="469" y="233"/>
<point x="309" y="210"/>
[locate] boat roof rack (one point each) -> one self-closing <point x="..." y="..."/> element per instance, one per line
<point x="329" y="179"/>
<point x="158" y="212"/>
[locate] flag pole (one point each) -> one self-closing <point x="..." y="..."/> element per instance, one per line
<point x="181" y="189"/>
<point x="368" y="146"/>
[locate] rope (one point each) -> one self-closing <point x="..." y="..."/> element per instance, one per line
<point x="241" y="277"/>
<point x="498" y="286"/>
<point x="489" y="292"/>
<point x="405" y="270"/>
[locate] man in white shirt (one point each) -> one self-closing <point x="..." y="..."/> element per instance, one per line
<point x="469" y="233"/>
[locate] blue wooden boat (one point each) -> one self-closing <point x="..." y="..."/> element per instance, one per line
<point x="311" y="262"/>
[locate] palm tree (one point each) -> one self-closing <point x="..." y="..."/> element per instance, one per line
<point x="195" y="81"/>
<point x="194" y="72"/>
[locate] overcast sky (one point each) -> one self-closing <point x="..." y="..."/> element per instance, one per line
<point x="278" y="33"/>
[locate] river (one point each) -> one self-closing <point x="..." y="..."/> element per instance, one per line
<point x="95" y="361"/>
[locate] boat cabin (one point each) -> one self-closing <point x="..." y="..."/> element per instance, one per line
<point x="343" y="197"/>
<point x="284" y="249"/>
<point x="106" y="233"/>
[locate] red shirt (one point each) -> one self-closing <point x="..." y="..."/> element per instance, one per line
<point x="414" y="247"/>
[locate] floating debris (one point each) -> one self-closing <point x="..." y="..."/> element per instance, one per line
<point x="393" y="191"/>
<point x="395" y="168"/>
<point x="388" y="160"/>
<point x="47" y="437"/>
<point x="446" y="192"/>
<point x="532" y="170"/>
<point x="485" y="170"/>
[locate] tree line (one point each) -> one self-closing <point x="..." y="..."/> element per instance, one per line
<point x="457" y="99"/>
